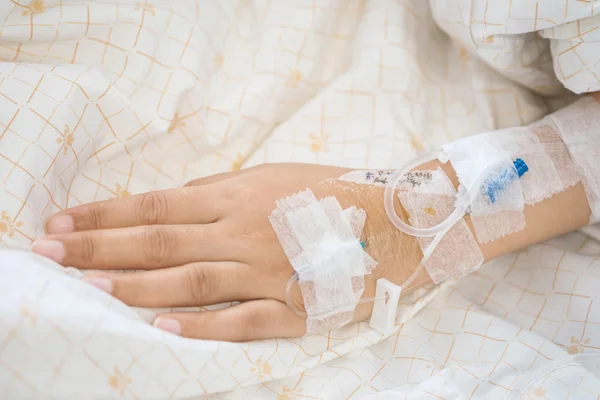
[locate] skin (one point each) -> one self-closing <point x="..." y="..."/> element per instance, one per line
<point x="211" y="242"/>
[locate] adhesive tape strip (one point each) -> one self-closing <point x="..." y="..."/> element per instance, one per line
<point x="321" y="241"/>
<point x="457" y="253"/>
<point x="547" y="134"/>
<point x="579" y="126"/>
<point x="498" y="205"/>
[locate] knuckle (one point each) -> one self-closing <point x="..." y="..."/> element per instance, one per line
<point x="152" y="208"/>
<point x="93" y="218"/>
<point x="87" y="248"/>
<point x="239" y="192"/>
<point x="158" y="244"/>
<point x="197" y="282"/>
<point x="257" y="323"/>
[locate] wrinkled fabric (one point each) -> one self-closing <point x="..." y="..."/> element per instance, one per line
<point x="544" y="45"/>
<point x="104" y="99"/>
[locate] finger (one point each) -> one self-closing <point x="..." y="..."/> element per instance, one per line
<point x="252" y="320"/>
<point x="193" y="205"/>
<point x="140" y="247"/>
<point x="191" y="285"/>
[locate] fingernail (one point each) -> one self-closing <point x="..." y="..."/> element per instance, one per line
<point x="168" y="324"/>
<point x="60" y="224"/>
<point x="52" y="249"/>
<point x="101" y="283"/>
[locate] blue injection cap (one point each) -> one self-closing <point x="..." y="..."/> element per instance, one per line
<point x="520" y="166"/>
<point x="501" y="181"/>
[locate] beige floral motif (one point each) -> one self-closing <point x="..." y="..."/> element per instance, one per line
<point x="8" y="225"/>
<point x="577" y="345"/>
<point x="145" y="6"/>
<point x="537" y="393"/>
<point x="464" y="55"/>
<point x="261" y="368"/>
<point x="288" y="393"/>
<point x="416" y="142"/>
<point x="239" y="161"/>
<point x="121" y="192"/>
<point x="294" y="78"/>
<point x="67" y="139"/>
<point x="119" y="381"/>
<point x="318" y="143"/>
<point x="219" y="59"/>
<point x="176" y="122"/>
<point x="436" y="365"/>
<point x="36" y="7"/>
<point x="28" y="313"/>
<point x="429" y="210"/>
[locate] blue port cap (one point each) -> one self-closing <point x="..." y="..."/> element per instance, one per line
<point x="520" y="166"/>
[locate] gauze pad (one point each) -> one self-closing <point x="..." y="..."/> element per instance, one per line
<point x="457" y="254"/>
<point x="322" y="242"/>
<point x="579" y="127"/>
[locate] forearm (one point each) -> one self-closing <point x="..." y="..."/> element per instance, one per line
<point x="547" y="210"/>
<point x="562" y="213"/>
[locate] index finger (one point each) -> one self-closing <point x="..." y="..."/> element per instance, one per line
<point x="188" y="205"/>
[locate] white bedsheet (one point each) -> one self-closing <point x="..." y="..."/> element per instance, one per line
<point x="101" y="99"/>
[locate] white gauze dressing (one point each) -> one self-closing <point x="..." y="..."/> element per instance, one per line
<point x="321" y="240"/>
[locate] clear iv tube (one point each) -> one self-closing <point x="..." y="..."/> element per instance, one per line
<point x="465" y="197"/>
<point x="388" y="201"/>
<point x="439" y="232"/>
<point x="294" y="278"/>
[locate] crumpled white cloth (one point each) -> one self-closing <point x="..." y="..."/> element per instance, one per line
<point x="103" y="99"/>
<point x="544" y="45"/>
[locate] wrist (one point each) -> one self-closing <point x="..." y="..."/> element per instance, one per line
<point x="557" y="215"/>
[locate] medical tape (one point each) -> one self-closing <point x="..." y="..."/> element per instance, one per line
<point x="322" y="243"/>
<point x="380" y="178"/>
<point x="579" y="127"/>
<point x="543" y="152"/>
<point x="547" y="133"/>
<point x="500" y="172"/>
<point x="497" y="208"/>
<point x="457" y="253"/>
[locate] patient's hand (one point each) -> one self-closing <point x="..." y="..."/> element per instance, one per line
<point x="212" y="242"/>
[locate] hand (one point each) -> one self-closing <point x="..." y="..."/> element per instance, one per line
<point x="211" y="242"/>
